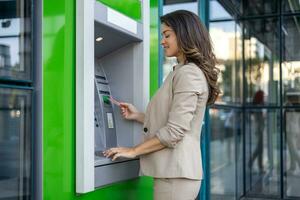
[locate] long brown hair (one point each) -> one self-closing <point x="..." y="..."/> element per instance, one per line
<point x="194" y="41"/>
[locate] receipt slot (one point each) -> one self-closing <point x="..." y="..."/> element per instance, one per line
<point x="112" y="59"/>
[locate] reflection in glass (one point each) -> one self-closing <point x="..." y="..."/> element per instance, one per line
<point x="262" y="152"/>
<point x="291" y="60"/>
<point x="225" y="138"/>
<point x="9" y="50"/>
<point x="261" y="50"/>
<point x="15" y="39"/>
<point x="226" y="38"/>
<point x="292" y="138"/>
<point x="15" y="144"/>
<point x="260" y="7"/>
<point x="291" y="5"/>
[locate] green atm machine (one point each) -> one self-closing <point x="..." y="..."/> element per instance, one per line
<point x="112" y="59"/>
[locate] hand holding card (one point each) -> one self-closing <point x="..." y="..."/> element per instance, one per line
<point x="114" y="101"/>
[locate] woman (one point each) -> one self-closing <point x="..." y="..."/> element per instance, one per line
<point x="172" y="122"/>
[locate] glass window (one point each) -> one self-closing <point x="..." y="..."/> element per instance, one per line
<point x="225" y="139"/>
<point x="260" y="7"/>
<point x="291" y="97"/>
<point x="226" y="38"/>
<point x="262" y="131"/>
<point x="258" y="47"/>
<point x="15" y="144"/>
<point x="291" y="5"/>
<point x="261" y="50"/>
<point x="292" y="142"/>
<point x="291" y="60"/>
<point x="15" y="40"/>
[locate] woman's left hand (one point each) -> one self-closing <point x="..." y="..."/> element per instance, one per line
<point x="124" y="152"/>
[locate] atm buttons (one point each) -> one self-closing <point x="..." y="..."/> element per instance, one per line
<point x="106" y="99"/>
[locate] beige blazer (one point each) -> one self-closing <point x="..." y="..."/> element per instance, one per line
<point x="175" y="115"/>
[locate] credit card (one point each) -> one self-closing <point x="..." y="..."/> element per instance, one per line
<point x="114" y="101"/>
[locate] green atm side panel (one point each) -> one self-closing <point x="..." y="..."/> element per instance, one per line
<point x="58" y="42"/>
<point x="131" y="8"/>
<point x="154" y="46"/>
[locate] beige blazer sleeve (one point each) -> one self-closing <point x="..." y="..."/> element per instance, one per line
<point x="188" y="85"/>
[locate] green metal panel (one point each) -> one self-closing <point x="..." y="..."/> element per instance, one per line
<point x="154" y="46"/>
<point x="59" y="112"/>
<point x="130" y="8"/>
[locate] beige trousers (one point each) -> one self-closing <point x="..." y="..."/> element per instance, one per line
<point x="176" y="189"/>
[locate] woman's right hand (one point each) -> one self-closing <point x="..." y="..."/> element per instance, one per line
<point x="129" y="111"/>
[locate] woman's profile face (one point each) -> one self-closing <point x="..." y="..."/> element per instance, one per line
<point x="169" y="41"/>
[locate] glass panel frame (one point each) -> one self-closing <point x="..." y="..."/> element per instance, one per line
<point x="291" y="130"/>
<point x="226" y="136"/>
<point x="262" y="72"/>
<point x="283" y="92"/>
<point x="291" y="61"/>
<point x="16" y="143"/>
<point x="291" y="101"/>
<point x="16" y="40"/>
<point x="227" y="41"/>
<point x="262" y="140"/>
